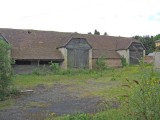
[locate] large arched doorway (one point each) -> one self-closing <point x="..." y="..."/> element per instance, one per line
<point x="78" y="53"/>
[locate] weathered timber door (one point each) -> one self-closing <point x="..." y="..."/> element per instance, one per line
<point x="135" y="53"/>
<point x="78" y="53"/>
<point x="78" y="58"/>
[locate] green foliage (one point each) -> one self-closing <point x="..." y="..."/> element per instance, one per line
<point x="148" y="42"/>
<point x="123" y="62"/>
<point x="40" y="71"/>
<point x="157" y="37"/>
<point x="13" y="61"/>
<point x="85" y="80"/>
<point x="82" y="116"/>
<point x="111" y="114"/>
<point x="143" y="101"/>
<point x="114" y="77"/>
<point x="101" y="64"/>
<point x="14" y="91"/>
<point x="5" y="69"/>
<point x="55" y="67"/>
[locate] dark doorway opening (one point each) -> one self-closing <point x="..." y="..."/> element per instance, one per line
<point x="22" y="62"/>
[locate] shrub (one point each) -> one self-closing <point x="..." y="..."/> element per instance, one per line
<point x="101" y="64"/>
<point x="80" y="117"/>
<point x="143" y="103"/>
<point x="55" y="67"/>
<point x="123" y="62"/>
<point x="14" y="91"/>
<point x="5" y="69"/>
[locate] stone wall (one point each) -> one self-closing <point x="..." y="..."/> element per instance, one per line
<point x="64" y="53"/>
<point x="157" y="61"/>
<point x="90" y="59"/>
<point x="125" y="54"/>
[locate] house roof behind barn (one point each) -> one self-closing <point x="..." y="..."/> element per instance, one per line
<point x="35" y="44"/>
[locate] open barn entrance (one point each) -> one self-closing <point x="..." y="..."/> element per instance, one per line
<point x="78" y="53"/>
<point x="30" y="66"/>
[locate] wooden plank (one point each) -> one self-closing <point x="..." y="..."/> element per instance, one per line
<point x="78" y="53"/>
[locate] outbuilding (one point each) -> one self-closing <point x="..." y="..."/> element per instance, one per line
<point x="32" y="48"/>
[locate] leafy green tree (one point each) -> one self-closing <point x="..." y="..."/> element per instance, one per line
<point x="148" y="42"/>
<point x="157" y="37"/>
<point x="5" y="69"/>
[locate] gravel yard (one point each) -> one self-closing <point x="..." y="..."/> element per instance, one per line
<point x="57" y="100"/>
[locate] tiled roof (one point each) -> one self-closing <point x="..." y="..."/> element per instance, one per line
<point x="105" y="54"/>
<point x="35" y="44"/>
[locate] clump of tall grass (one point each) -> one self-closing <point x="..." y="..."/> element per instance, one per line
<point x="40" y="71"/>
<point x="143" y="100"/>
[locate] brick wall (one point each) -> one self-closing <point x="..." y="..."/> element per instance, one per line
<point x="148" y="59"/>
<point x="109" y="62"/>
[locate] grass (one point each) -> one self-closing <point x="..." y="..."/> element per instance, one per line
<point x="106" y="83"/>
<point x="6" y="104"/>
<point x="37" y="104"/>
<point x="112" y="114"/>
<point x="31" y="80"/>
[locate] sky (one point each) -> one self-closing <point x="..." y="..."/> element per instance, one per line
<point x="116" y="17"/>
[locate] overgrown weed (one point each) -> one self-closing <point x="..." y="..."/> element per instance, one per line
<point x="143" y="99"/>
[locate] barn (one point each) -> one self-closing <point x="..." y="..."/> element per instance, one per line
<point x="32" y="48"/>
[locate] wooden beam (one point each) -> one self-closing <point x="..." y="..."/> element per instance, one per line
<point x="38" y="63"/>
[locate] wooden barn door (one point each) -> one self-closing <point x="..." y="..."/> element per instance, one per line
<point x="82" y="58"/>
<point x="135" y="53"/>
<point x="78" y="58"/>
<point x="71" y="58"/>
<point x="78" y="53"/>
<point x="135" y="56"/>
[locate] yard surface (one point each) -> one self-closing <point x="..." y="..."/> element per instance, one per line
<point x="66" y="93"/>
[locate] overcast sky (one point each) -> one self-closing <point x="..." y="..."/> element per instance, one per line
<point x="116" y="17"/>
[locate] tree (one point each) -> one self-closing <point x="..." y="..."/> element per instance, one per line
<point x="157" y="37"/>
<point x="89" y="33"/>
<point x="106" y="34"/>
<point x="5" y="69"/>
<point x="96" y="32"/>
